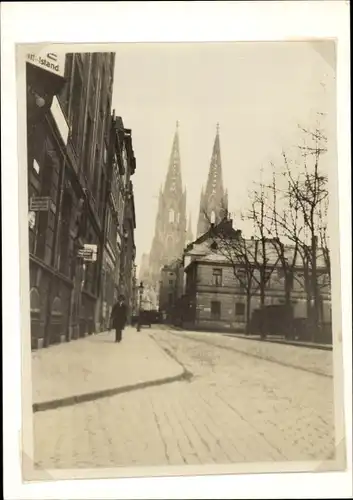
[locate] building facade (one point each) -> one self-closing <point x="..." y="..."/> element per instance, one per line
<point x="171" y="289"/>
<point x="119" y="223"/>
<point x="67" y="181"/>
<point x="215" y="294"/>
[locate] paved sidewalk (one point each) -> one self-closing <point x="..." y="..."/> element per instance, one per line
<point x="96" y="364"/>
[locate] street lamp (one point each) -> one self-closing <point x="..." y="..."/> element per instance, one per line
<point x="140" y="289"/>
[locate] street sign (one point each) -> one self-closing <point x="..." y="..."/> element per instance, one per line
<point x="40" y="204"/>
<point x="88" y="253"/>
<point x="53" y="62"/>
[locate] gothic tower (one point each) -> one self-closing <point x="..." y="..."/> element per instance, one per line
<point x="214" y="199"/>
<point x="170" y="231"/>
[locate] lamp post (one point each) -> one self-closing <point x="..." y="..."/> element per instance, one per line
<point x="140" y="289"/>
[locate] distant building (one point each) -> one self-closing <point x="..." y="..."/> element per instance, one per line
<point x="127" y="263"/>
<point x="214" y="199"/>
<point x="119" y="223"/>
<point x="171" y="288"/>
<point x="215" y="287"/>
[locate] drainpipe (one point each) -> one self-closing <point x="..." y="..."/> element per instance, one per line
<point x="106" y="200"/>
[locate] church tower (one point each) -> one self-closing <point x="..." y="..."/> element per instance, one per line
<point x="170" y="231"/>
<point x="214" y="199"/>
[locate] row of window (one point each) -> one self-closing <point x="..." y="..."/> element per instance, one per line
<point x="87" y="138"/>
<point x="217" y="276"/>
<point x="216" y="310"/>
<point x="173" y="217"/>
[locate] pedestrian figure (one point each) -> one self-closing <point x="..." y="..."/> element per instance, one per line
<point x="118" y="318"/>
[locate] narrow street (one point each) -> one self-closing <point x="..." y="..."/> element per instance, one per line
<point x="236" y="407"/>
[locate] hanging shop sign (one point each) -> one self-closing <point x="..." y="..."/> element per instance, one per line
<point x="40" y="204"/>
<point x="88" y="253"/>
<point x="60" y="119"/>
<point x="51" y="61"/>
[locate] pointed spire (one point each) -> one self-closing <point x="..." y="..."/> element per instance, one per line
<point x="214" y="202"/>
<point x="173" y="181"/>
<point x="215" y="181"/>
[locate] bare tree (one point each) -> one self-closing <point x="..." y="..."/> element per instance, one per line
<point x="264" y="261"/>
<point x="310" y="192"/>
<point x="301" y="219"/>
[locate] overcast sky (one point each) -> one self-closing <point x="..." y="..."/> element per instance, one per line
<point x="258" y="92"/>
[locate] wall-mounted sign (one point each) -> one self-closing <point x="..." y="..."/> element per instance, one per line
<point x="54" y="62"/>
<point x="88" y="253"/>
<point x="40" y="204"/>
<point x="60" y="119"/>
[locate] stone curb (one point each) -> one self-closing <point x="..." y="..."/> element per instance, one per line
<point x="321" y="347"/>
<point x="87" y="397"/>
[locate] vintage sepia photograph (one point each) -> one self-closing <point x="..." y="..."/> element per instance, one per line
<point x="182" y="249"/>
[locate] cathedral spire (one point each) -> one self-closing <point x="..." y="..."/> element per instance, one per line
<point x="214" y="203"/>
<point x="170" y="230"/>
<point x="173" y="182"/>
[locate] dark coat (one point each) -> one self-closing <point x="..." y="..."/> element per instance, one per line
<point x="119" y="316"/>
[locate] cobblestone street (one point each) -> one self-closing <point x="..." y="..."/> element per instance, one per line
<point x="246" y="401"/>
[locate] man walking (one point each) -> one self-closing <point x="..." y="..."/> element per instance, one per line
<point x="118" y="317"/>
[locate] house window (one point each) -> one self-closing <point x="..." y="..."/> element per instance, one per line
<point x="171" y="216"/>
<point x="239" y="309"/>
<point x="96" y="176"/>
<point x="170" y="282"/>
<point x="76" y="105"/>
<point x="65" y="233"/>
<point x="242" y="279"/>
<point x="215" y="310"/>
<point x="267" y="275"/>
<point x="280" y="273"/>
<point x="102" y="195"/>
<point x="217" y="277"/>
<point x="88" y="144"/>
<point x="36" y="166"/>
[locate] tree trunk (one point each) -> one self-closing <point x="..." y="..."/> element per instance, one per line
<point x="289" y="332"/>
<point x="314" y="291"/>
<point x="262" y="316"/>
<point x="248" y="308"/>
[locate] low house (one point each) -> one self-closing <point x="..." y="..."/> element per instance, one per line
<point x="222" y="288"/>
